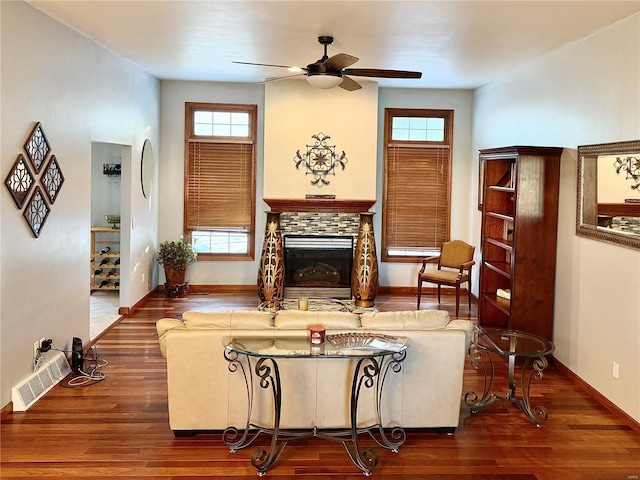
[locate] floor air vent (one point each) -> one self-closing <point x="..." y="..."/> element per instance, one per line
<point x="54" y="367"/>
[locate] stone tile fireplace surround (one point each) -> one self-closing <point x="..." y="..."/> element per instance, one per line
<point x="319" y="217"/>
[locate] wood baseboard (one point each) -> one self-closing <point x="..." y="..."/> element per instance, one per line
<point x="205" y="289"/>
<point x="383" y="290"/>
<point x="138" y="304"/>
<point x="7" y="409"/>
<point x="426" y="291"/>
<point x="597" y="396"/>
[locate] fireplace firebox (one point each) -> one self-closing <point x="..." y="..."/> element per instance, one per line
<point x="318" y="266"/>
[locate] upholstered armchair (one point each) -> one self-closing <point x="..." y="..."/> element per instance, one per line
<point x="454" y="268"/>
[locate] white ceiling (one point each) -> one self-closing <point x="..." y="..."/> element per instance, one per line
<point x="455" y="44"/>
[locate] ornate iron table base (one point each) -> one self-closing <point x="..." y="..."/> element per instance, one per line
<point x="370" y="372"/>
<point x="536" y="414"/>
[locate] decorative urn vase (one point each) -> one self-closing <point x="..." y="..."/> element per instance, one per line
<point x="364" y="276"/>
<point x="271" y="270"/>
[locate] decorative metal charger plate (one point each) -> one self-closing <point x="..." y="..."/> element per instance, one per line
<point x="362" y="340"/>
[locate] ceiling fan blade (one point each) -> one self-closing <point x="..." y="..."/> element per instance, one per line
<point x="340" y="61"/>
<point x="349" y="84"/>
<point x="275" y="79"/>
<point x="374" y="72"/>
<point x="269" y="65"/>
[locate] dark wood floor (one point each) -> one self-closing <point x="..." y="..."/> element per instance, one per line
<point x="118" y="428"/>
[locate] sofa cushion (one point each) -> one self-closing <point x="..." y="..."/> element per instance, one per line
<point x="409" y="320"/>
<point x="297" y="319"/>
<point x="246" y="320"/>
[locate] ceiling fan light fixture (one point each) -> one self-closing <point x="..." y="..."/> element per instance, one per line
<point x="324" y="81"/>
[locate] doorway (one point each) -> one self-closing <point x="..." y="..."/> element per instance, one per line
<point x="108" y="244"/>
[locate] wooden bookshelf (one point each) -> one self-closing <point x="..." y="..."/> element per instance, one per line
<point x="518" y="238"/>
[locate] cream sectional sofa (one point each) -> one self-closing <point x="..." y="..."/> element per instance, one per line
<point x="205" y="395"/>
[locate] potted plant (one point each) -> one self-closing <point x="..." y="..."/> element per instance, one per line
<point x="175" y="256"/>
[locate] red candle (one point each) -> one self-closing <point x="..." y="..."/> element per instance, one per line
<point x="316" y="334"/>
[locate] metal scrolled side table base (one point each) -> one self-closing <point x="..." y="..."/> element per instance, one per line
<point x="370" y="372"/>
<point x="536" y="414"/>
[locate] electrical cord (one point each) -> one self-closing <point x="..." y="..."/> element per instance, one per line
<point x="93" y="373"/>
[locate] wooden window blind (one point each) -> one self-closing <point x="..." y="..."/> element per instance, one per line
<point x="219" y="186"/>
<point x="416" y="204"/>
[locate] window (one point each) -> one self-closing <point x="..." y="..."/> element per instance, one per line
<point x="220" y="184"/>
<point x="417" y="183"/>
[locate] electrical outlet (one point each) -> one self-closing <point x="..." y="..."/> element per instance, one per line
<point x="616" y="370"/>
<point x="36" y="348"/>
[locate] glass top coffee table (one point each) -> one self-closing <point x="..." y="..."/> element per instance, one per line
<point x="511" y="344"/>
<point x="260" y="356"/>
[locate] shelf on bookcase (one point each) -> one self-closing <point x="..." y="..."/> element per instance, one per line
<point x="498" y="188"/>
<point x="500" y="303"/>
<point x="500" y="242"/>
<point x="502" y="268"/>
<point x="501" y="216"/>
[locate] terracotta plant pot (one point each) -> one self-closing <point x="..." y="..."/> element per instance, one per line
<point x="176" y="285"/>
<point x="175" y="277"/>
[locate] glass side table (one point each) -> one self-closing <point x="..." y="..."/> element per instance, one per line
<point x="260" y="356"/>
<point x="511" y="344"/>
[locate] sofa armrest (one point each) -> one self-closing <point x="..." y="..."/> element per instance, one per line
<point x="466" y="326"/>
<point x="162" y="327"/>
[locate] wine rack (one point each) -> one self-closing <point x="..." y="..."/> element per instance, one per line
<point x="105" y="258"/>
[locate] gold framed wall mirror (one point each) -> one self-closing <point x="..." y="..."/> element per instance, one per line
<point x="608" y="196"/>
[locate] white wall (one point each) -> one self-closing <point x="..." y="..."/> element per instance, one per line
<point x="295" y="110"/>
<point x="585" y="93"/>
<point x="464" y="165"/>
<point x="174" y="96"/>
<point x="81" y="93"/>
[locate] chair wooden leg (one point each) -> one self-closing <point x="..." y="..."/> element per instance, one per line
<point x="469" y="292"/>
<point x="419" y="293"/>
<point x="438" y="294"/>
<point x="457" y="299"/>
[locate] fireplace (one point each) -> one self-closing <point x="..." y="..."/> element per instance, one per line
<point x="318" y="266"/>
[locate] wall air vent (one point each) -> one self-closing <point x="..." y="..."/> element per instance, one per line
<point x="53" y="369"/>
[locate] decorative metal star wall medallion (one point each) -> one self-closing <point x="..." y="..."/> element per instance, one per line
<point x="320" y="160"/>
<point x="632" y="166"/>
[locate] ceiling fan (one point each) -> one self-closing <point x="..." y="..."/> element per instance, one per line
<point x="329" y="72"/>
